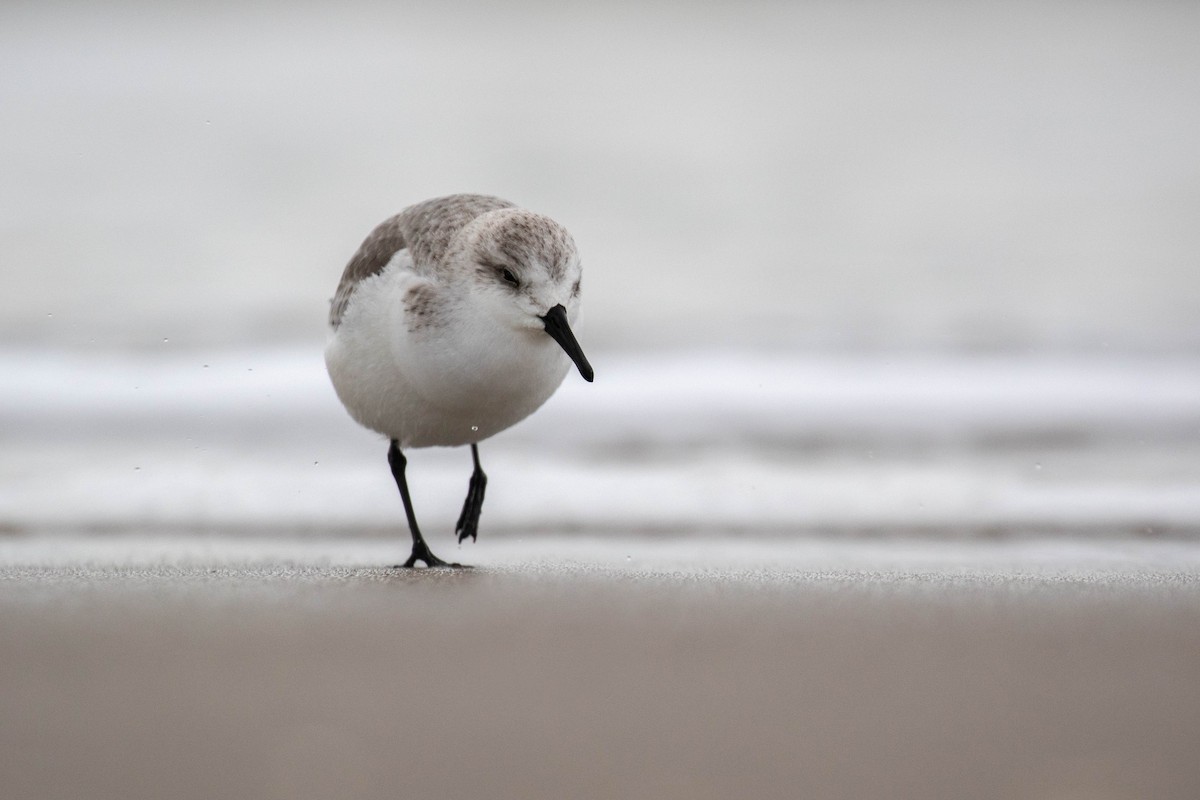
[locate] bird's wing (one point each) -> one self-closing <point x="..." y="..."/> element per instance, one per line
<point x="373" y="255"/>
<point x="426" y="229"/>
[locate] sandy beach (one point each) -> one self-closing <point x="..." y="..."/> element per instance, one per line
<point x="587" y="668"/>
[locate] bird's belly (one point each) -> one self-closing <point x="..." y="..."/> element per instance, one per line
<point x="423" y="399"/>
<point x="481" y="396"/>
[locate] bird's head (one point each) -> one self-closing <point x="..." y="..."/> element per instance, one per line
<point x="524" y="269"/>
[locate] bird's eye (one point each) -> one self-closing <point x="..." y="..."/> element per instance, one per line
<point x="508" y="277"/>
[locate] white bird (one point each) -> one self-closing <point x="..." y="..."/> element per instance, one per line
<point x="451" y="323"/>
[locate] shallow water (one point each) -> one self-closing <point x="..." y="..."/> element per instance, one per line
<point x="687" y="443"/>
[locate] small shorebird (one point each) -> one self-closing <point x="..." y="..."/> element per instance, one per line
<point x="451" y="323"/>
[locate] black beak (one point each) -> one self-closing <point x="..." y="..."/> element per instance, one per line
<point x="560" y="331"/>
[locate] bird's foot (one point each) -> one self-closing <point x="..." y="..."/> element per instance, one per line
<point x="468" y="520"/>
<point x="421" y="552"/>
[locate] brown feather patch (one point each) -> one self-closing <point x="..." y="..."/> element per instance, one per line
<point x="422" y="307"/>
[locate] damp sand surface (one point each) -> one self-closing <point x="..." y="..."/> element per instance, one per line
<point x="620" y="667"/>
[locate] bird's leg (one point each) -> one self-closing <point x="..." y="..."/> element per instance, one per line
<point x="468" y="520"/>
<point x="420" y="550"/>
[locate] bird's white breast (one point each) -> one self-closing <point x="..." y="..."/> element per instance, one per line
<point x="455" y="379"/>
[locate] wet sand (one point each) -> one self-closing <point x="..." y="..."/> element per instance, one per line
<point x="655" y="669"/>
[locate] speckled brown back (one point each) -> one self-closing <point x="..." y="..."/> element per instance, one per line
<point x="426" y="229"/>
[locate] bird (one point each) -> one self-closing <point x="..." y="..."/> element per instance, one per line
<point x="452" y="322"/>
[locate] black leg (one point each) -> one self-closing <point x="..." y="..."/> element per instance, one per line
<point x="468" y="520"/>
<point x="420" y="550"/>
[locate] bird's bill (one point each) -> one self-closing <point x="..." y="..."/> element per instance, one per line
<point x="560" y="331"/>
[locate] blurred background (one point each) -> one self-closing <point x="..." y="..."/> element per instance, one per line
<point x="851" y="268"/>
